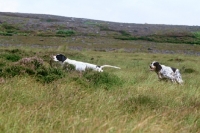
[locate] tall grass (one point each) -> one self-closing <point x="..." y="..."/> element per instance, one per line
<point x="131" y="99"/>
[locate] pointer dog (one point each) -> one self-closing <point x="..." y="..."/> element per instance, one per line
<point x="81" y="66"/>
<point x="166" y="72"/>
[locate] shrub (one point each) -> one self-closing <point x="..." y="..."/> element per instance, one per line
<point x="9" y="27"/>
<point x="12" y="57"/>
<point x="13" y="71"/>
<point x="197" y="34"/>
<point x="32" y="62"/>
<point x="15" y="51"/>
<point x="124" y="33"/>
<point x="96" y="79"/>
<point x="65" y="32"/>
<point x="189" y="70"/>
<point x="32" y="66"/>
<point x="104" y="28"/>
<point x="1" y="72"/>
<point x="2" y="64"/>
<point x="47" y="75"/>
<point x="5" y="33"/>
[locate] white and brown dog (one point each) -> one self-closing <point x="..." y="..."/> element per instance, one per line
<point x="80" y="66"/>
<point x="166" y="72"/>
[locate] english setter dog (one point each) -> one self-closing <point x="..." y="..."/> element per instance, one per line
<point x="166" y="72"/>
<point x="79" y="65"/>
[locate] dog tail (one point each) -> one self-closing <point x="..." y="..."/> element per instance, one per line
<point x="110" y="66"/>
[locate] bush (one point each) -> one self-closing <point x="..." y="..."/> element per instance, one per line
<point x="47" y="75"/>
<point x="32" y="66"/>
<point x="124" y="33"/>
<point x="11" y="57"/>
<point x="65" y="32"/>
<point x="13" y="71"/>
<point x="32" y="62"/>
<point x="189" y="70"/>
<point x="9" y="26"/>
<point x="96" y="79"/>
<point x="2" y="64"/>
<point x="5" y="33"/>
<point x="197" y="34"/>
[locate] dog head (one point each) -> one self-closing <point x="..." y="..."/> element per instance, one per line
<point x="155" y="66"/>
<point x="59" y="57"/>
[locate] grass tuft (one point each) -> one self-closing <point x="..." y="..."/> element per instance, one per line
<point x="47" y="75"/>
<point x="99" y="80"/>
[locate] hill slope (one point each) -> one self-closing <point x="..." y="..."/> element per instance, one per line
<point x="51" y="23"/>
<point x="80" y="33"/>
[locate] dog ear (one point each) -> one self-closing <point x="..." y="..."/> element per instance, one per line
<point x="158" y="66"/>
<point x="63" y="58"/>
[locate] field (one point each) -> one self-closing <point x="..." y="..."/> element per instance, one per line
<point x="38" y="95"/>
<point x="128" y="100"/>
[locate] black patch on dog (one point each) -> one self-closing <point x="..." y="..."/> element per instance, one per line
<point x="173" y="69"/>
<point x="61" y="57"/>
<point x="98" y="66"/>
<point x="158" y="66"/>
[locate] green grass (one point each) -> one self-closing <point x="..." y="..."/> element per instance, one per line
<point x="65" y="32"/>
<point x="10" y="30"/>
<point x="131" y="99"/>
<point x="197" y="34"/>
<point x="171" y="37"/>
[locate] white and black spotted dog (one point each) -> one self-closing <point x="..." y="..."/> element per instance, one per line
<point x="166" y="72"/>
<point x="79" y="65"/>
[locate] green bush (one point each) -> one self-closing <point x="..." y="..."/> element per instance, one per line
<point x="104" y="28"/>
<point x="32" y="66"/>
<point x="2" y="64"/>
<point x="9" y="26"/>
<point x="47" y="75"/>
<point x="124" y="33"/>
<point x="189" y="70"/>
<point x="5" y="33"/>
<point x="1" y="72"/>
<point x="96" y="79"/>
<point x="65" y="32"/>
<point x="13" y="71"/>
<point x="197" y="34"/>
<point x="12" y="57"/>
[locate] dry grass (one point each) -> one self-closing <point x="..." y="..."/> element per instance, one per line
<point x="141" y="104"/>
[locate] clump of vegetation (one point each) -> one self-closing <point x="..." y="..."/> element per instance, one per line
<point x="5" y="33"/>
<point x="12" y="71"/>
<point x="177" y="59"/>
<point x="2" y="64"/>
<point x="171" y="37"/>
<point x="65" y="32"/>
<point x="124" y="33"/>
<point x="47" y="75"/>
<point x="24" y="66"/>
<point x="139" y="102"/>
<point x="96" y="79"/>
<point x="189" y="70"/>
<point x="197" y="34"/>
<point x="104" y="28"/>
<point x="8" y="29"/>
<point x="32" y="62"/>
<point x="32" y="66"/>
<point x="12" y="57"/>
<point x="9" y="26"/>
